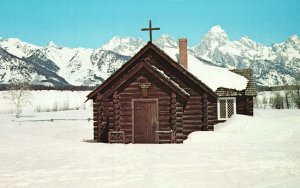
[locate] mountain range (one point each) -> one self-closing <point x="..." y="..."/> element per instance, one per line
<point x="59" y="66"/>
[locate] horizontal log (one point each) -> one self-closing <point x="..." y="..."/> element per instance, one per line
<point x="179" y="121"/>
<point x="192" y="121"/>
<point x="166" y="98"/>
<point x="212" y="122"/>
<point x="211" y="118"/>
<point x="164" y="103"/>
<point x="195" y="103"/>
<point x="127" y="103"/>
<point x="157" y="94"/>
<point x="179" y="107"/>
<point x="164" y="113"/>
<point x="125" y="118"/>
<point x="189" y="130"/>
<point x="126" y="125"/>
<point x="193" y="107"/>
<point x="130" y="95"/>
<point x="191" y="117"/>
<point x="131" y="89"/>
<point x="164" y="108"/>
<point x="125" y="109"/>
<point x="164" y="124"/>
<point x="191" y="112"/>
<point x="179" y="114"/>
<point x="163" y="118"/>
<point x="124" y="99"/>
<point x="195" y="97"/>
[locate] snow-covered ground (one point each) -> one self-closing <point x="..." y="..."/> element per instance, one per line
<point x="51" y="100"/>
<point x="259" y="151"/>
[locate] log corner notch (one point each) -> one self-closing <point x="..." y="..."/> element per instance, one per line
<point x="98" y="118"/>
<point x="116" y="135"/>
<point x="173" y="117"/>
<point x="116" y="106"/>
<point x="204" y="112"/>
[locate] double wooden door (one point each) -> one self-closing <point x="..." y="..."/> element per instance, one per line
<point x="145" y="120"/>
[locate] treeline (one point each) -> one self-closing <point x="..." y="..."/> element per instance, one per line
<point x="283" y="97"/>
<point x="4" y="87"/>
<point x="277" y="88"/>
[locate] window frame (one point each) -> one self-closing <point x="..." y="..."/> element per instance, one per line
<point x="218" y="106"/>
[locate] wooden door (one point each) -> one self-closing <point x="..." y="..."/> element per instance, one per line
<point x="145" y="120"/>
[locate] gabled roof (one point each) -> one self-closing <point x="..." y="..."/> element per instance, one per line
<point x="130" y="63"/>
<point x="155" y="72"/>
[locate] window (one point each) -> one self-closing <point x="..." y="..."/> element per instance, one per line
<point x="226" y="107"/>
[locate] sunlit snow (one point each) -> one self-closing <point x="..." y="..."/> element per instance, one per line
<point x="258" y="151"/>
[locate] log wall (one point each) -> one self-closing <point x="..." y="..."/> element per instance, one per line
<point x="192" y="110"/>
<point x="133" y="91"/>
<point x="198" y="112"/>
<point x="244" y="105"/>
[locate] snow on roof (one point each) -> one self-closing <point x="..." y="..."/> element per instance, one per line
<point x="216" y="77"/>
<point x="167" y="77"/>
<point x="212" y="76"/>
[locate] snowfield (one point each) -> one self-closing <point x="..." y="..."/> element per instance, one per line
<point x="259" y="151"/>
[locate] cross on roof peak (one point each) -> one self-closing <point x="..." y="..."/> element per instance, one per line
<point x="150" y="30"/>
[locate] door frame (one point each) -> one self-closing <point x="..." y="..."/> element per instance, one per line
<point x="132" y="114"/>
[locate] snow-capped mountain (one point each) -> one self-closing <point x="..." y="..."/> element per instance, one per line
<point x="275" y="65"/>
<point x="56" y="65"/>
<point x="127" y="46"/>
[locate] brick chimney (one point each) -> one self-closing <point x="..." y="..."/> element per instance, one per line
<point x="183" y="61"/>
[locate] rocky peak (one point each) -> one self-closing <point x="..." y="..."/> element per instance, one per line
<point x="247" y="42"/>
<point x="51" y="44"/>
<point x="127" y="46"/>
<point x="166" y="41"/>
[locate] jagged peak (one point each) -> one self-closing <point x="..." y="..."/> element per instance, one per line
<point x="118" y="39"/>
<point x="216" y="29"/>
<point x="246" y="39"/>
<point x="294" y="38"/>
<point x="124" y="45"/>
<point x="51" y="44"/>
<point x="166" y="41"/>
<point x="165" y="36"/>
<point x="216" y="33"/>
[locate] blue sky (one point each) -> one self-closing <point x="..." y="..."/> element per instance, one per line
<point x="91" y="23"/>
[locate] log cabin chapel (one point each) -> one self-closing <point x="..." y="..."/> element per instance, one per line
<point x="153" y="98"/>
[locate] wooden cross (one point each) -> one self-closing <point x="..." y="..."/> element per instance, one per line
<point x="150" y="29"/>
